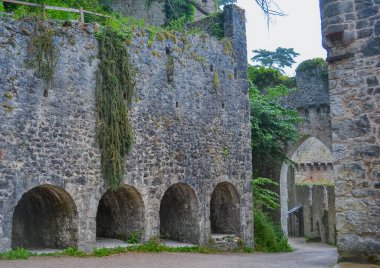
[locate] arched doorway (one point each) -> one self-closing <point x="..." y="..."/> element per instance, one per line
<point x="179" y="214"/>
<point x="225" y="210"/>
<point x="313" y="165"/>
<point x="45" y="217"/>
<point x="120" y="214"/>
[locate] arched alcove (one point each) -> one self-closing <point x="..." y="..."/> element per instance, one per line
<point x="45" y="217"/>
<point x="120" y="214"/>
<point x="225" y="210"/>
<point x="179" y="214"/>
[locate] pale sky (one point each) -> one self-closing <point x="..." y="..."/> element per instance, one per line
<point x="300" y="29"/>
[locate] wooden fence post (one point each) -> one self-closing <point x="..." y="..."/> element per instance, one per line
<point x="44" y="10"/>
<point x="81" y="15"/>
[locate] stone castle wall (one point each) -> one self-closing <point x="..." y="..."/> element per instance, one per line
<point x="351" y="34"/>
<point x="311" y="100"/>
<point x="314" y="172"/>
<point x="190" y="134"/>
<point x="318" y="213"/>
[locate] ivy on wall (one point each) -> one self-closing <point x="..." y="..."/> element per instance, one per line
<point x="44" y="54"/>
<point x="114" y="92"/>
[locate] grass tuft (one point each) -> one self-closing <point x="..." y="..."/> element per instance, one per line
<point x="16" y="254"/>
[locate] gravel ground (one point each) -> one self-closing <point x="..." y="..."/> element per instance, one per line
<point x="305" y="255"/>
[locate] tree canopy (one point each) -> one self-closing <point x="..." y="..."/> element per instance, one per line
<point x="263" y="77"/>
<point x="278" y="59"/>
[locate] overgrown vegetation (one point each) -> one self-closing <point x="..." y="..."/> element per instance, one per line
<point x="152" y="245"/>
<point x="23" y="11"/>
<point x="268" y="235"/>
<point x="262" y="77"/>
<point x="134" y="238"/>
<point x="16" y="254"/>
<point x="311" y="66"/>
<point x="264" y="197"/>
<point x="217" y="27"/>
<point x="176" y="9"/>
<point x="44" y="54"/>
<point x="273" y="128"/>
<point x="114" y="92"/>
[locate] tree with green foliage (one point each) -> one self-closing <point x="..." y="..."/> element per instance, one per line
<point x="273" y="126"/>
<point x="263" y="77"/>
<point x="278" y="59"/>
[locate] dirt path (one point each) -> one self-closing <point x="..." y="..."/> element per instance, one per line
<point x="305" y="255"/>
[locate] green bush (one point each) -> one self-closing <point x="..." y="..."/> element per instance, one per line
<point x="268" y="238"/>
<point x="313" y="67"/>
<point x="263" y="77"/>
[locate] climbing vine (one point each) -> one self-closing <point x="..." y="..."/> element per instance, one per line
<point x="44" y="54"/>
<point x="114" y="92"/>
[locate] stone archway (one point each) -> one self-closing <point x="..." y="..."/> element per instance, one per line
<point x="225" y="210"/>
<point x="45" y="217"/>
<point x="179" y="214"/>
<point x="120" y="214"/>
<point x="314" y="164"/>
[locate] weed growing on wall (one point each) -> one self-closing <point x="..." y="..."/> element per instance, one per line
<point x="114" y="92"/>
<point x="44" y="53"/>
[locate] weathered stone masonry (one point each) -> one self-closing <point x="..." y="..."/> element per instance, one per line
<point x="311" y="100"/>
<point x="351" y="33"/>
<point x="191" y="137"/>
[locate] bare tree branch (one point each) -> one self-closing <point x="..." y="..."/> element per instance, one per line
<point x="270" y="9"/>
